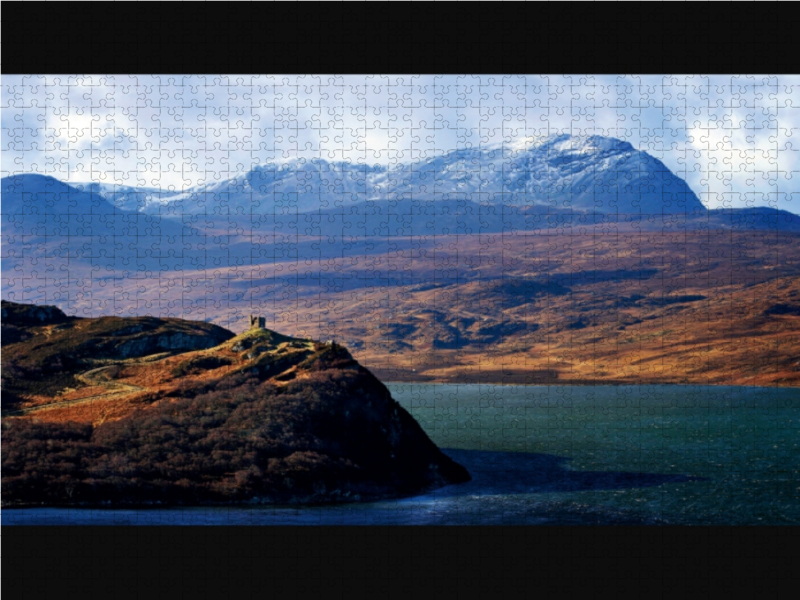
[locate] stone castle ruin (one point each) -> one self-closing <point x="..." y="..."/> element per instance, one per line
<point x="257" y="322"/>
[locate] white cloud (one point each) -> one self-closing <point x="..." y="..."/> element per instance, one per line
<point x="734" y="139"/>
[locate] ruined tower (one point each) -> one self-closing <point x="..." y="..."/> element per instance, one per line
<point x="257" y="322"/>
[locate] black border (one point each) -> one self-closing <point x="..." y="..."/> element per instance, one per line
<point x="373" y="38"/>
<point x="211" y="562"/>
<point x="401" y="38"/>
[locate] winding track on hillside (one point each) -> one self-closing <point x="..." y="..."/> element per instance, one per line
<point x="114" y="389"/>
<point x="89" y="378"/>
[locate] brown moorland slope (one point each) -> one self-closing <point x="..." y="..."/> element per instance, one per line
<point x="177" y="412"/>
<point x="594" y="305"/>
<point x="607" y="303"/>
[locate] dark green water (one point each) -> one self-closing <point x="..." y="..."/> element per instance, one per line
<point x="677" y="454"/>
<point x="566" y="455"/>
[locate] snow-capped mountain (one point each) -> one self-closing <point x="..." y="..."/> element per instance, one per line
<point x="298" y="185"/>
<point x="558" y="181"/>
<point x="581" y="174"/>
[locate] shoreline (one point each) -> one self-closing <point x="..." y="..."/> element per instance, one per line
<point x="568" y="382"/>
<point x="251" y="503"/>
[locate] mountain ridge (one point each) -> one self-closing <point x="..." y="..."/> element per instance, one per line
<point x="561" y="172"/>
<point x="539" y="174"/>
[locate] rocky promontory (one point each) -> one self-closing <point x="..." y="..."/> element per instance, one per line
<point x="142" y="411"/>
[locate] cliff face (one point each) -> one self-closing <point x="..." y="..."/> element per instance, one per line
<point x="259" y="417"/>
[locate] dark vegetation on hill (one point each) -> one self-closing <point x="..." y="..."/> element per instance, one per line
<point x="259" y="418"/>
<point x="336" y="436"/>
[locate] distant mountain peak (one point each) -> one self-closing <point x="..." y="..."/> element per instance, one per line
<point x="566" y="142"/>
<point x="577" y="173"/>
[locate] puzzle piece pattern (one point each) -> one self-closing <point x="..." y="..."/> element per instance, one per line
<point x="492" y="229"/>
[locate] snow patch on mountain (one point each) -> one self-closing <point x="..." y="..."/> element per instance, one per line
<point x="583" y="174"/>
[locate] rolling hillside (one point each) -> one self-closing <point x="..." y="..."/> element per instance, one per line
<point x="577" y="259"/>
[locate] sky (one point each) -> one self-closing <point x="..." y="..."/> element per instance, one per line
<point x="734" y="139"/>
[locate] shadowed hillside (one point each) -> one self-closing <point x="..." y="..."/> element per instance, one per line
<point x="128" y="411"/>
